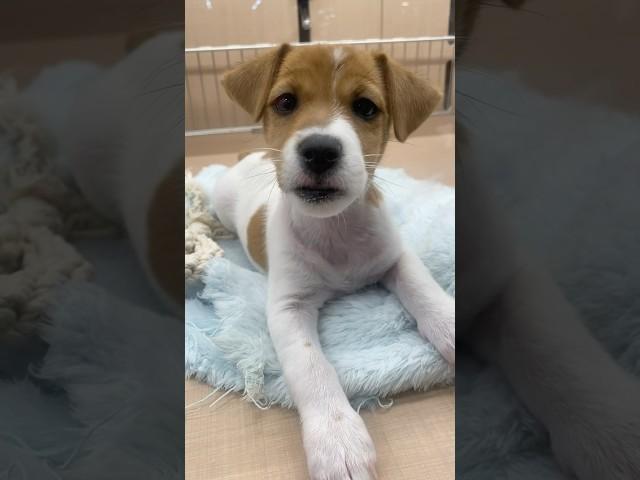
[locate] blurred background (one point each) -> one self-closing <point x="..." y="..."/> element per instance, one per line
<point x="37" y="36"/>
<point x="223" y="33"/>
<point x="236" y="440"/>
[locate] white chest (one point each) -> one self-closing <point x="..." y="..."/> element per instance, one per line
<point x="341" y="254"/>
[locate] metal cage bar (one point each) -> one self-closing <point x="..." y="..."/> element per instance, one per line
<point x="210" y="112"/>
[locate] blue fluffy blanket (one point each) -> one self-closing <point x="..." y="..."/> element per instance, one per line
<point x="368" y="336"/>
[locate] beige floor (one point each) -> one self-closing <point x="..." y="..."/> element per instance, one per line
<point x="233" y="440"/>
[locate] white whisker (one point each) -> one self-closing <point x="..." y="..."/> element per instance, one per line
<point x="266" y="148"/>
<point x="389" y="181"/>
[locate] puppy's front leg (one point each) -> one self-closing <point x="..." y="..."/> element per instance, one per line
<point x="433" y="309"/>
<point x="336" y="441"/>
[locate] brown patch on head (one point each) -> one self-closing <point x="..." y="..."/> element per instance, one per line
<point x="326" y="81"/>
<point x="256" y="237"/>
<point x="359" y="77"/>
<point x="165" y="238"/>
<point x="325" y="86"/>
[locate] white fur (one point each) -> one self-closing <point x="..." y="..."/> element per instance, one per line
<point x="351" y="175"/>
<point x="314" y="253"/>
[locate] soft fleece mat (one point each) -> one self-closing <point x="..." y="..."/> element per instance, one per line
<point x="368" y="336"/>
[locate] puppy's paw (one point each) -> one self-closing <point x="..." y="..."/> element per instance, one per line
<point x="338" y="447"/>
<point x="440" y="330"/>
<point x="602" y="437"/>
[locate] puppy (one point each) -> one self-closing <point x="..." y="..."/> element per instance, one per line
<point x="309" y="214"/>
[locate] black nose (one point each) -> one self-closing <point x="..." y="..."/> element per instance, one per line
<point x="319" y="153"/>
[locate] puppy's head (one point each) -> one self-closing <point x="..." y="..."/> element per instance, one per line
<point x="328" y="110"/>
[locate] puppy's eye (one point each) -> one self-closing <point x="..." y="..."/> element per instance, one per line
<point x="364" y="108"/>
<point x="285" y="103"/>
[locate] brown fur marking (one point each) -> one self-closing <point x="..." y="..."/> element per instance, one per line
<point x="411" y="100"/>
<point x="374" y="196"/>
<point x="165" y="240"/>
<point x="256" y="237"/>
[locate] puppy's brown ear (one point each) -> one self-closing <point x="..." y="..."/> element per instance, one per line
<point x="410" y="99"/>
<point x="249" y="83"/>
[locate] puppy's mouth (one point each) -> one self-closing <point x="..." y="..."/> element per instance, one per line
<point x="317" y="194"/>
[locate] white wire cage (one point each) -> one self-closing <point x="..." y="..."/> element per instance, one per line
<point x="209" y="111"/>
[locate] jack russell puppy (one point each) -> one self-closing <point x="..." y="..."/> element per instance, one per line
<point x="308" y="213"/>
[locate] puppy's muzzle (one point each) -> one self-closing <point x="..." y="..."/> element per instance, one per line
<point x="319" y="154"/>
